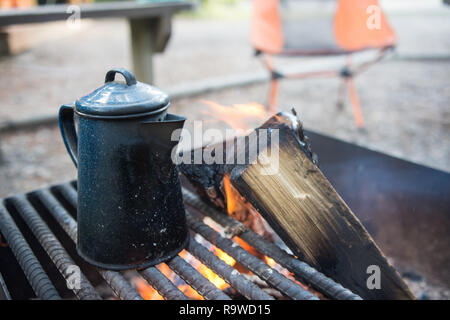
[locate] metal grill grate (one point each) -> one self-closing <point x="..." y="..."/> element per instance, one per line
<point x="47" y="215"/>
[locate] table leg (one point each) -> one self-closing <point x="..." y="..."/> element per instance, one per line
<point x="148" y="36"/>
<point x="4" y="43"/>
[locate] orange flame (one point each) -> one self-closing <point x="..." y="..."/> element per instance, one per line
<point x="231" y="202"/>
<point x="237" y="116"/>
<point x="238" y="208"/>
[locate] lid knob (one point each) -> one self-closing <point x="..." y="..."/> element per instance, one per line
<point x="117" y="99"/>
<point x="129" y="77"/>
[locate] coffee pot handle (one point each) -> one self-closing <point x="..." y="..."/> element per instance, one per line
<point x="68" y="132"/>
<point x="129" y="76"/>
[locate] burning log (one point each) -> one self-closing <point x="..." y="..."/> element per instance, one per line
<point x="298" y="202"/>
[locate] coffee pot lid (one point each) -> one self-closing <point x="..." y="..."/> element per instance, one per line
<point x="116" y="99"/>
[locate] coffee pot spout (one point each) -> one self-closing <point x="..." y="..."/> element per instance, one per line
<point x="165" y="133"/>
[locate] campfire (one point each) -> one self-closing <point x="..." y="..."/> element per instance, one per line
<point x="237" y="195"/>
<point x="237" y="117"/>
<point x="280" y="181"/>
<point x="149" y="293"/>
<point x="235" y="208"/>
<point x="254" y="233"/>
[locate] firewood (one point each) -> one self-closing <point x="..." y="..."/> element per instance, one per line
<point x="304" y="209"/>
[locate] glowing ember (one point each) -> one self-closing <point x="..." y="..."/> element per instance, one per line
<point x="145" y="290"/>
<point x="224" y="256"/>
<point x="3" y="243"/>
<point x="189" y="292"/>
<point x="204" y="270"/>
<point x="270" y="261"/>
<point x="213" y="277"/>
<point x="148" y="293"/>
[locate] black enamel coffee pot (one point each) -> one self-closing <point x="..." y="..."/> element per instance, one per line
<point x="130" y="208"/>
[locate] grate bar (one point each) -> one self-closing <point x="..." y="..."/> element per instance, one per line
<point x="265" y="272"/>
<point x="247" y="288"/>
<point x="153" y="276"/>
<point x="196" y="280"/>
<point x="4" y="293"/>
<point x="53" y="247"/>
<point x="301" y="269"/>
<point x="191" y="276"/>
<point x="123" y="289"/>
<point x="30" y="265"/>
<point x="115" y="280"/>
<point x="59" y="213"/>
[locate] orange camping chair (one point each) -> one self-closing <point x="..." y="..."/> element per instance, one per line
<point x="280" y="28"/>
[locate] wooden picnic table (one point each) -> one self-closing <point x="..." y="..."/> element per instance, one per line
<point x="150" y="24"/>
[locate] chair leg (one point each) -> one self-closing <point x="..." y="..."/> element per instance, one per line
<point x="354" y="100"/>
<point x="342" y="93"/>
<point x="273" y="96"/>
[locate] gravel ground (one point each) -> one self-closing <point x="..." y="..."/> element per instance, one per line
<point x="405" y="101"/>
<point x="406" y="116"/>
